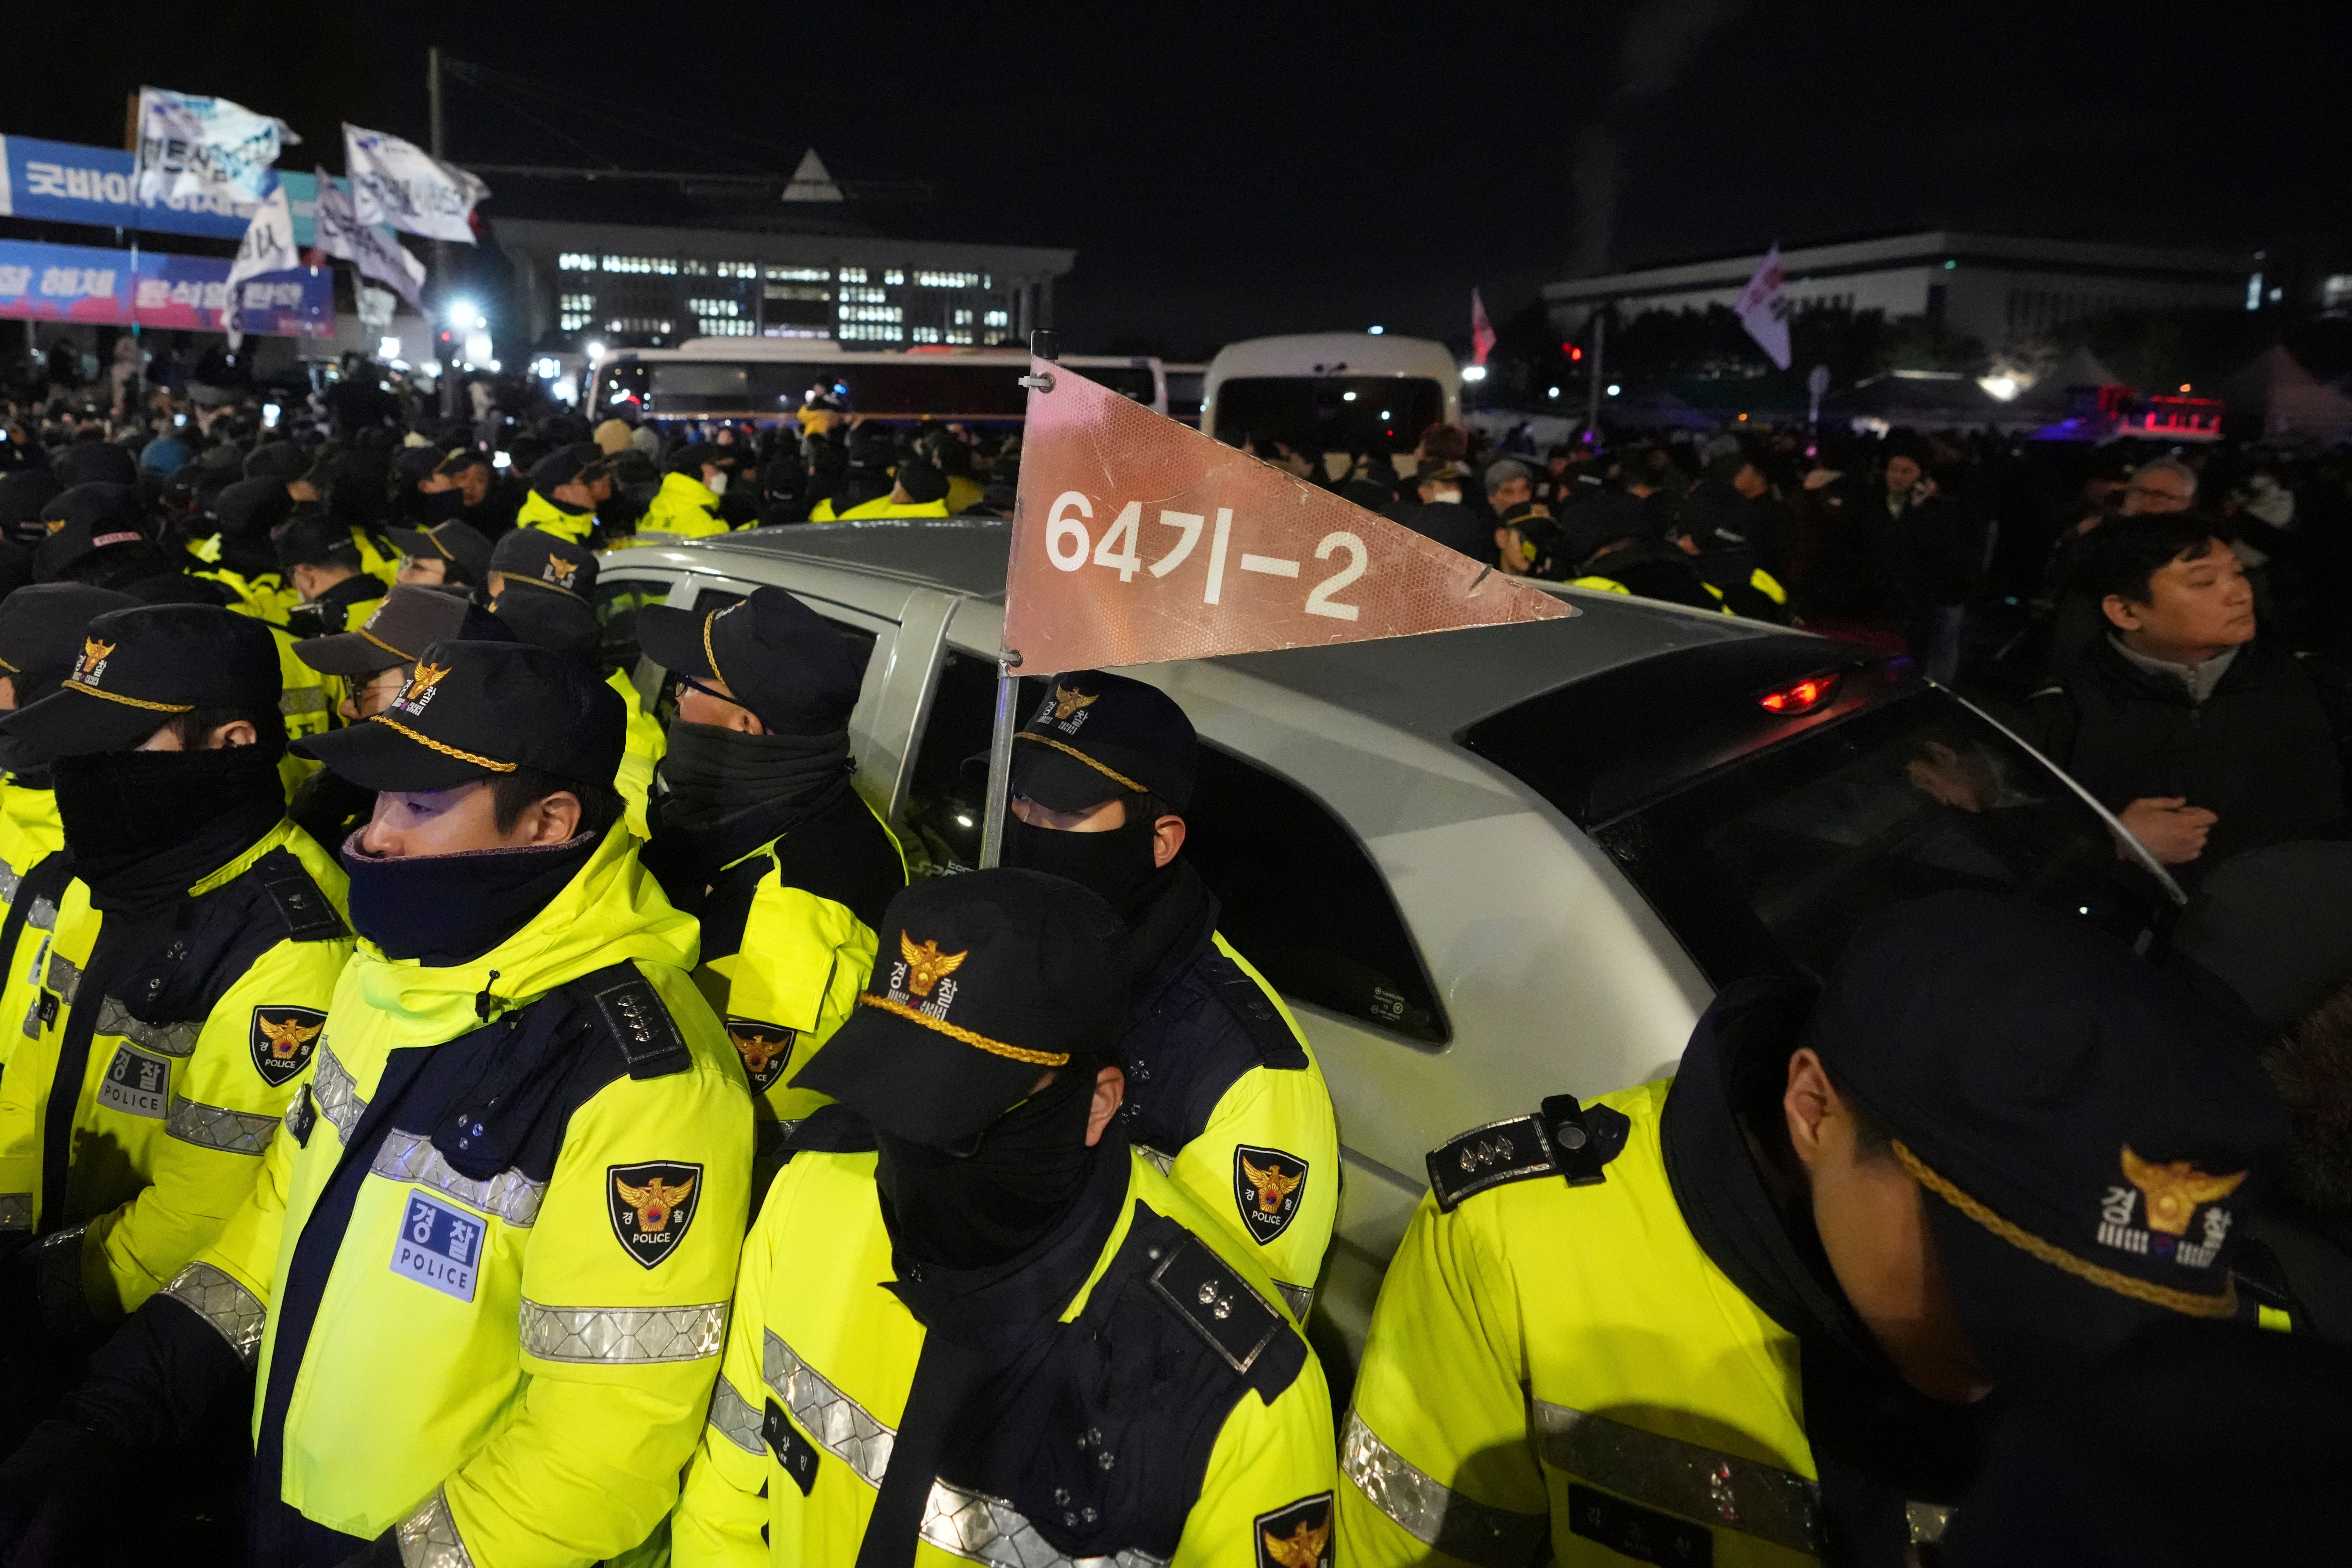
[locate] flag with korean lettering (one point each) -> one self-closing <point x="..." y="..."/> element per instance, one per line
<point x="191" y="145"/>
<point x="1138" y="539"/>
<point x="269" y="247"/>
<point x="1763" y="308"/>
<point x="365" y="245"/>
<point x="399" y="183"/>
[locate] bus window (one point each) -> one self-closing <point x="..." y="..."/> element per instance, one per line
<point x="1329" y="413"/>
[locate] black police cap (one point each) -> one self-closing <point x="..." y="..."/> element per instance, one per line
<point x="140" y="667"/>
<point x="777" y="656"/>
<point x="23" y="493"/>
<point x="315" y="539"/>
<point x="921" y="482"/>
<point x="405" y="621"/>
<point x="566" y="464"/>
<point x="1096" y="737"/>
<point x="540" y="560"/>
<point x="84" y="521"/>
<point x="479" y="710"/>
<point x="2091" y="1136"/>
<point x="93" y="463"/>
<point x="461" y="547"/>
<point x="279" y="461"/>
<point x="557" y="622"/>
<point x="251" y="508"/>
<point x="983" y="983"/>
<point x="41" y="629"/>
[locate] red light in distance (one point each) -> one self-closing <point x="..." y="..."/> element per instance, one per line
<point x="1803" y="697"/>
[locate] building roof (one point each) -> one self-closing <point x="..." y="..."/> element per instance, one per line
<point x="1028" y="262"/>
<point x="1926" y="247"/>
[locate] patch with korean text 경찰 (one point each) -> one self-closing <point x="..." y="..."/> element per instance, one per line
<point x="2170" y="1195"/>
<point x="652" y="1204"/>
<point x="439" y="1246"/>
<point x="136" y="1084"/>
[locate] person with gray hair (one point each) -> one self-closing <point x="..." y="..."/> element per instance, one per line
<point x="2165" y="484"/>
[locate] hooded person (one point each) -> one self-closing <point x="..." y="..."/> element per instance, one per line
<point x="687" y="505"/>
<point x="539" y="586"/>
<point x="761" y="833"/>
<point x="1067" y="1346"/>
<point x="319" y="560"/>
<point x="370" y="665"/>
<point x="41" y="631"/>
<point x="1768" y="1309"/>
<point x="503" y="1214"/>
<point x="566" y="488"/>
<point x="1223" y="1086"/>
<point x="187" y="982"/>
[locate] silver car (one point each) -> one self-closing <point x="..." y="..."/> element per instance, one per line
<point x="1484" y="866"/>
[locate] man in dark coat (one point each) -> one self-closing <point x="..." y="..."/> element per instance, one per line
<point x="2201" y="740"/>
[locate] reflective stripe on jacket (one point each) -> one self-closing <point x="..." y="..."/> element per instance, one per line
<point x="821" y="1357"/>
<point x="1564" y="1363"/>
<point x="174" y="1105"/>
<point x="506" y="1352"/>
<point x="29" y="834"/>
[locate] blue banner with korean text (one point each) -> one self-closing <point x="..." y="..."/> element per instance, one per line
<point x="102" y="287"/>
<point x="65" y="182"/>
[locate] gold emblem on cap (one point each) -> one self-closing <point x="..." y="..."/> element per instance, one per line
<point x="927" y="966"/>
<point x="94" y="651"/>
<point x="559" y="570"/>
<point x="2174" y="1191"/>
<point x="1068" y="700"/>
<point x="426" y="678"/>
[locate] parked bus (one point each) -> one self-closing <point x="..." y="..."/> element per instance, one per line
<point x="1333" y="394"/>
<point x="766" y="380"/>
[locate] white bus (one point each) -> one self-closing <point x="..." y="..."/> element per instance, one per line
<point x="766" y="380"/>
<point x="1336" y="393"/>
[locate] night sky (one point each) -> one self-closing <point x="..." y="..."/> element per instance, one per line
<point x="1228" y="171"/>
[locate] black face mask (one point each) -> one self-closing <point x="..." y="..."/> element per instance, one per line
<point x="148" y="825"/>
<point x="438" y="507"/>
<point x="452" y="909"/>
<point x="1116" y="864"/>
<point x="971" y="1210"/>
<point x="714" y="773"/>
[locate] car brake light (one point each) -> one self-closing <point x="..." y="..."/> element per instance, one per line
<point x="1803" y="697"/>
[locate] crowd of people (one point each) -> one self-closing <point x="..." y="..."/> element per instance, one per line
<point x="457" y="1112"/>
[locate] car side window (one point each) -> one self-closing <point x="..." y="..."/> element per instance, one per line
<point x="617" y="601"/>
<point x="1303" y="901"/>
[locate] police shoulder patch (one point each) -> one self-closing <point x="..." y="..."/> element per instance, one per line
<point x="766" y="1050"/>
<point x="282" y="1040"/>
<point x="652" y="1204"/>
<point x="635" y="1016"/>
<point x="1210" y="1295"/>
<point x="1297" y="1535"/>
<point x="1563" y="1139"/>
<point x="1269" y="1184"/>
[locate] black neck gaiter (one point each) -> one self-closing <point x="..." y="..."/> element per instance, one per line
<point x="144" y="826"/>
<point x="971" y="1213"/>
<point x="445" y="910"/>
<point x="730" y="793"/>
<point x="1116" y="864"/>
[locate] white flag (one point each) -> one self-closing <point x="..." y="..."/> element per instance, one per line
<point x="1763" y="312"/>
<point x="191" y="146"/>
<point x="269" y="247"/>
<point x="377" y="254"/>
<point x="397" y="183"/>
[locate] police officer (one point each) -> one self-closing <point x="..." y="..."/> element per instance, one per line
<point x="973" y="1323"/>
<point x="188" y="979"/>
<point x="449" y="553"/>
<point x="1750" y="1315"/>
<point x="319" y="560"/>
<point x="372" y="663"/>
<point x="687" y="505"/>
<point x="1222" y="1087"/>
<point x="237" y="555"/>
<point x="41" y="627"/>
<point x="464" y="486"/>
<point x="539" y="586"/>
<point x="486" y="1274"/>
<point x="761" y="834"/>
<point x="567" y="486"/>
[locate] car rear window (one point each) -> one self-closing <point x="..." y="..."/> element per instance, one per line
<point x="1764" y="859"/>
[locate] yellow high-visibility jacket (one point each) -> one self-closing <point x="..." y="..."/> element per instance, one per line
<point x="30" y="834"/>
<point x="1196" y="1433"/>
<point x="644" y="743"/>
<point x="538" y="511"/>
<point x="485" y="1273"/>
<point x="683" y="508"/>
<point x="178" y="1059"/>
<point x="1562" y="1364"/>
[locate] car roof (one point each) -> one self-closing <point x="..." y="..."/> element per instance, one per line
<point x="1435" y="685"/>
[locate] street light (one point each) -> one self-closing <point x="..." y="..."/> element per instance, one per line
<point x="465" y="318"/>
<point x="1473" y="373"/>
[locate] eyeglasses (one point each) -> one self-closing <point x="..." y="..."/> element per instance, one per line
<point x="686" y="681"/>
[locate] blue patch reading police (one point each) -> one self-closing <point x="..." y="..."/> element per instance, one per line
<point x="1269" y="1184"/>
<point x="136" y="1085"/>
<point x="281" y="1040"/>
<point x="651" y="1205"/>
<point x="440" y="1246"/>
<point x="1298" y="1536"/>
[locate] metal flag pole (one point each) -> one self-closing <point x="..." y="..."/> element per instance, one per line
<point x="135" y="395"/>
<point x="439" y="293"/>
<point x="1043" y="346"/>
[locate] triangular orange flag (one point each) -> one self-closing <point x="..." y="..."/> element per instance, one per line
<point x="1138" y="539"/>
